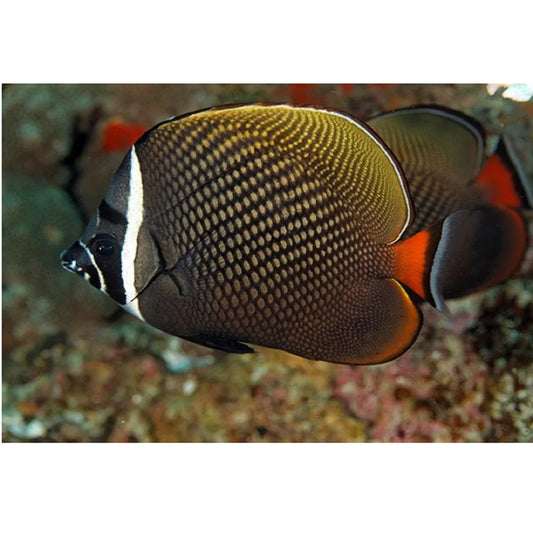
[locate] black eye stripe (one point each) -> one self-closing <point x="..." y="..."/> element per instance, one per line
<point x="94" y="278"/>
<point x="105" y="247"/>
<point x="105" y="251"/>
<point x="110" y="214"/>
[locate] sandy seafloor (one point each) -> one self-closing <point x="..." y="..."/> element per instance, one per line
<point x="76" y="370"/>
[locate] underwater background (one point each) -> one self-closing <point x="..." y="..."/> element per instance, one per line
<point x="77" y="369"/>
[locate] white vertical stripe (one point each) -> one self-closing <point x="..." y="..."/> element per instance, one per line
<point x="439" y="260"/>
<point x="134" y="217"/>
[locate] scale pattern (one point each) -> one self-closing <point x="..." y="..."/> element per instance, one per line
<point x="277" y="222"/>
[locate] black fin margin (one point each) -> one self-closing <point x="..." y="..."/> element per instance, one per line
<point x="523" y="185"/>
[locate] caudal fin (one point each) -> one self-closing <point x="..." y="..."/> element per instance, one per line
<point x="468" y="251"/>
<point x="504" y="180"/>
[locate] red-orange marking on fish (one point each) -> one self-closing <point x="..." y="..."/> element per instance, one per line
<point x="497" y="179"/>
<point x="346" y="88"/>
<point x="300" y="93"/>
<point x="411" y="258"/>
<point x="119" y="136"/>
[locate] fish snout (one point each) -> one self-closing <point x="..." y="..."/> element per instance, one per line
<point x="74" y="259"/>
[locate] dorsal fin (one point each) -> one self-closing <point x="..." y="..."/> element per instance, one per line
<point x="434" y="142"/>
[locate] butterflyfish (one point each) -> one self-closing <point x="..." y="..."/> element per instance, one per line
<point x="289" y="228"/>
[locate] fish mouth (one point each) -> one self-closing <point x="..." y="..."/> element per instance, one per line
<point x="69" y="262"/>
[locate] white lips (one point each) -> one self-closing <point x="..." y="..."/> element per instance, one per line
<point x="72" y="267"/>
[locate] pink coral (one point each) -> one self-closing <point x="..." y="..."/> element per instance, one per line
<point x="418" y="398"/>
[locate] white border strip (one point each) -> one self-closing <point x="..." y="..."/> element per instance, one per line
<point x="438" y="260"/>
<point x="381" y="144"/>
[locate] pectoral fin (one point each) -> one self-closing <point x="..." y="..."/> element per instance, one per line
<point x="220" y="343"/>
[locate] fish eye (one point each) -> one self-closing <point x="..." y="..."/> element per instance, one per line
<point x="104" y="246"/>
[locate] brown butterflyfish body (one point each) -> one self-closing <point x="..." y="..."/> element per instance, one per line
<point x="284" y="227"/>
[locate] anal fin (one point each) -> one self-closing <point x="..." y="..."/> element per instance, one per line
<point x="385" y="324"/>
